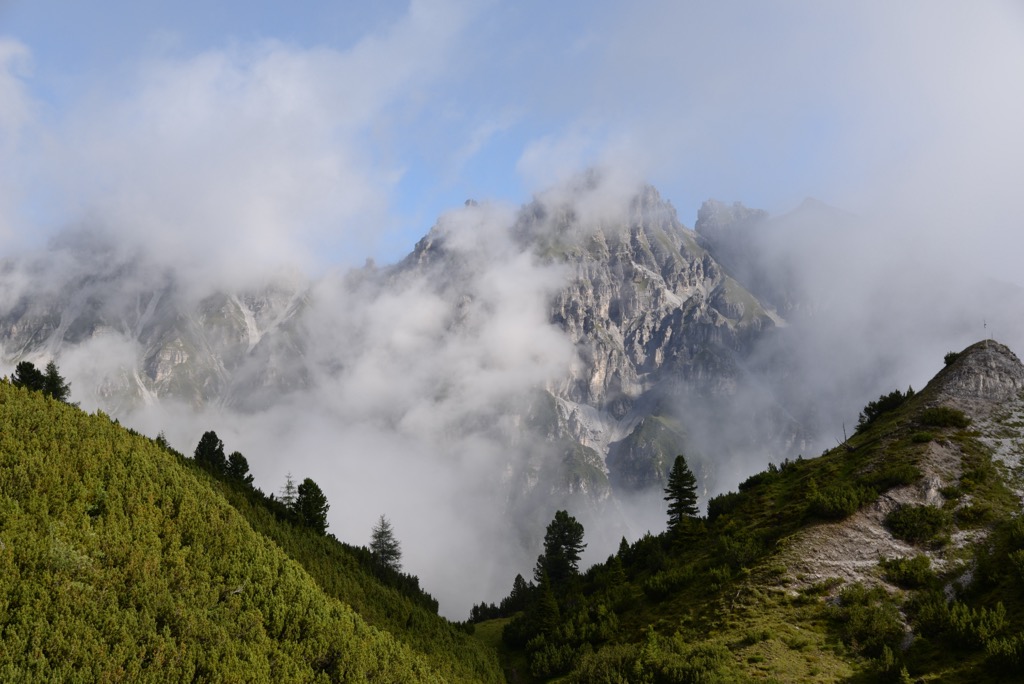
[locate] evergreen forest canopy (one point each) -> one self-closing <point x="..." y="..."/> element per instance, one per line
<point x="123" y="560"/>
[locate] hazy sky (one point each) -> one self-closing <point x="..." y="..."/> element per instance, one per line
<point x="327" y="132"/>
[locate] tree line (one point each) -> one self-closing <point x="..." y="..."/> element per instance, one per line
<point x="305" y="502"/>
<point x="556" y="618"/>
<point x="49" y="381"/>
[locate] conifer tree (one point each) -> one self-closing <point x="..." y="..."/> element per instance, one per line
<point x="288" y="492"/>
<point x="563" y="544"/>
<point x="384" y="545"/>
<point x="54" y="384"/>
<point x="518" y="598"/>
<point x="50" y="381"/>
<point x="681" y="494"/>
<point x="311" y="506"/>
<point x="209" y="453"/>
<point x="238" y="468"/>
<point x="28" y="376"/>
<point x="548" y="614"/>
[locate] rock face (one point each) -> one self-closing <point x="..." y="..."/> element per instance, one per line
<point x="981" y="377"/>
<point x="171" y="343"/>
<point x="660" y="333"/>
<point x="659" y="328"/>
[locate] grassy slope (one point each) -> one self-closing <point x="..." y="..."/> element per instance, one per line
<point x="722" y="586"/>
<point x="346" y="573"/>
<point x="120" y="563"/>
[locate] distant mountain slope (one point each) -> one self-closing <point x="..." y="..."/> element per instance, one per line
<point x="896" y="556"/>
<point x="119" y="562"/>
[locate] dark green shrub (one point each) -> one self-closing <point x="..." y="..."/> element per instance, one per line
<point x="738" y="551"/>
<point x="659" y="661"/>
<point x="837" y="501"/>
<point x="894" y="475"/>
<point x="929" y="612"/>
<point x="1006" y="655"/>
<point x="976" y="626"/>
<point x="666" y="582"/>
<point x="950" y="357"/>
<point x="723" y="504"/>
<point x="884" y="404"/>
<point x="720" y="575"/>
<point x="944" y="416"/>
<point x="868" y="620"/>
<point x="909" y="573"/>
<point x="550" y="659"/>
<point x="978" y="513"/>
<point x="764" y="477"/>
<point x="918" y="524"/>
<point x="921" y="437"/>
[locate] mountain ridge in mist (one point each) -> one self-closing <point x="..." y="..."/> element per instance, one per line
<point x="555" y="356"/>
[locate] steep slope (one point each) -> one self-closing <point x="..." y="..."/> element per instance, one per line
<point x="122" y="563"/>
<point x="985" y="382"/>
<point x="897" y="554"/>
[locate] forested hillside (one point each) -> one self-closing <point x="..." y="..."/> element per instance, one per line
<point x="121" y="561"/>
<point x="896" y="556"/>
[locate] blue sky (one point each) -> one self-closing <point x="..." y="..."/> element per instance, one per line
<point x="326" y="132"/>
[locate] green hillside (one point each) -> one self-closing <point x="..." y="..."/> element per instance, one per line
<point x="120" y="561"/>
<point x="897" y="556"/>
<point x="782" y="580"/>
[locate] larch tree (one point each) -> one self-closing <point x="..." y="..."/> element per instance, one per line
<point x="288" y="492"/>
<point x="384" y="545"/>
<point x="681" y="494"/>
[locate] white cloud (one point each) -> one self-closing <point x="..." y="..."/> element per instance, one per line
<point x="244" y="157"/>
<point x="17" y="114"/>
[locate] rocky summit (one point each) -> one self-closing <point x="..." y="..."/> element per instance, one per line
<point x="657" y="335"/>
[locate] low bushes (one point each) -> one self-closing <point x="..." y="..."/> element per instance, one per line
<point x="918" y="524"/>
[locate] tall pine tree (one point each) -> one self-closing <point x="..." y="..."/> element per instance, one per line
<point x="681" y="494"/>
<point x="563" y="544"/>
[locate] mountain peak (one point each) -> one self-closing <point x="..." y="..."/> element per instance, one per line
<point x="986" y="372"/>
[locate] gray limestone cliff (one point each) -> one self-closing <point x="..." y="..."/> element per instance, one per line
<point x="660" y="333"/>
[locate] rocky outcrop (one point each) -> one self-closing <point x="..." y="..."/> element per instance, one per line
<point x="983" y="376"/>
<point x="986" y="382"/>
